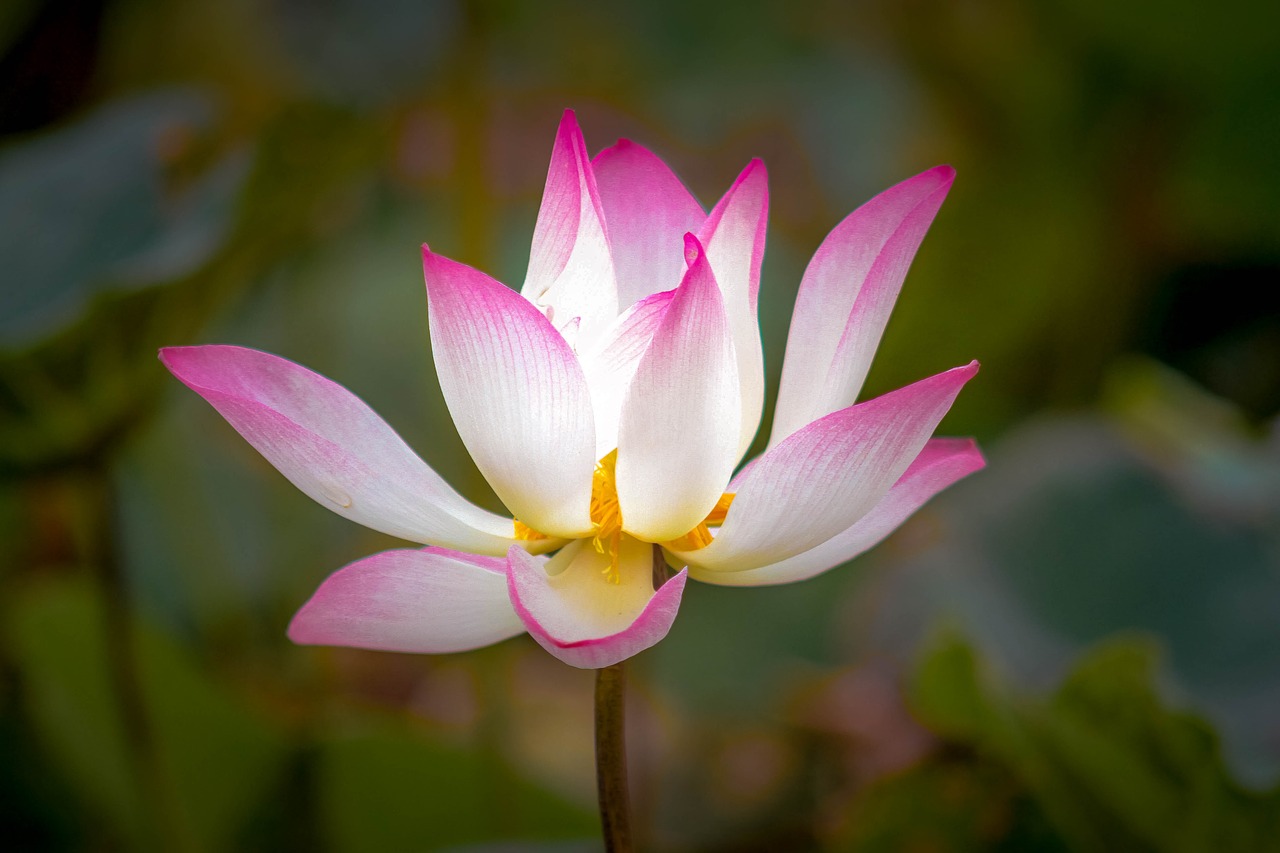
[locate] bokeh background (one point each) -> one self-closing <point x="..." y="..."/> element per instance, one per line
<point x="1077" y="649"/>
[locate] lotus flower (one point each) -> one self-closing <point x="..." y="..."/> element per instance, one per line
<point x="608" y="404"/>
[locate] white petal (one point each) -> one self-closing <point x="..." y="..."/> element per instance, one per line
<point x="570" y="269"/>
<point x="648" y="212"/>
<point x="517" y="395"/>
<point x="678" y="438"/>
<point x="334" y="448"/>
<point x="826" y="476"/>
<point x="734" y="236"/>
<point x="610" y="368"/>
<point x="577" y="614"/>
<point x="942" y="462"/>
<point x="432" y="601"/>
<point x="846" y="297"/>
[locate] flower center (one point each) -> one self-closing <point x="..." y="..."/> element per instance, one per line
<point x="606" y="514"/>
<point x="606" y="520"/>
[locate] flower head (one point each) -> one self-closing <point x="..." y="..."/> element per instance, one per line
<point x="608" y="403"/>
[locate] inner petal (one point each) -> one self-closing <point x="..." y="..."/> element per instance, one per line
<point x="581" y="599"/>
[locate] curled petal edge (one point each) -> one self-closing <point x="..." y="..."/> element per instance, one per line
<point x="527" y="576"/>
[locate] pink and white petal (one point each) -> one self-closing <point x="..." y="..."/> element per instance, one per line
<point x="846" y="296"/>
<point x="942" y="462"/>
<point x="827" y="476"/>
<point x="734" y="236"/>
<point x="678" y="436"/>
<point x="570" y="266"/>
<point x="334" y="448"/>
<point x="432" y="601"/>
<point x="577" y="614"/>
<point x="647" y="211"/>
<point x="611" y="366"/>
<point x="517" y="395"/>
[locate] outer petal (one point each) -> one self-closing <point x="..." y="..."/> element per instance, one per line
<point x="734" y="236"/>
<point x="517" y="394"/>
<point x="578" y="615"/>
<point x="431" y="600"/>
<point x="570" y="270"/>
<point x="942" y="462"/>
<point x="678" y="437"/>
<point x="334" y="448"/>
<point x="828" y="475"/>
<point x="648" y="211"/>
<point x="846" y="296"/>
<point x="612" y="365"/>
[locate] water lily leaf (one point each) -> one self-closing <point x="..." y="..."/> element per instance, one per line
<point x="89" y="209"/>
<point x="1110" y="763"/>
<point x="1076" y="531"/>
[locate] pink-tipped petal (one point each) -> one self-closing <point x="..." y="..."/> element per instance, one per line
<point x="942" y="462"/>
<point x="648" y="211"/>
<point x="431" y="601"/>
<point x="846" y="296"/>
<point x="828" y="475"/>
<point x="611" y="366"/>
<point x="517" y="395"/>
<point x="570" y="269"/>
<point x="333" y="447"/>
<point x="678" y="437"/>
<point x="572" y="609"/>
<point x="734" y="237"/>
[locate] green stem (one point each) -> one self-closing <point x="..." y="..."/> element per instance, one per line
<point x="611" y="759"/>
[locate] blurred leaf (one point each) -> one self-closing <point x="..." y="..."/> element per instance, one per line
<point x="1112" y="766"/>
<point x="216" y="757"/>
<point x="955" y="803"/>
<point x="351" y="51"/>
<point x="731" y="650"/>
<point x="1074" y="533"/>
<point x="55" y="631"/>
<point x="91" y="208"/>
<point x="389" y="788"/>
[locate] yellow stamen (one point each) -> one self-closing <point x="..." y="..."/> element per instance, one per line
<point x="606" y="520"/>
<point x="606" y="514"/>
<point x="525" y="533"/>
<point x="720" y="510"/>
<point x="700" y="536"/>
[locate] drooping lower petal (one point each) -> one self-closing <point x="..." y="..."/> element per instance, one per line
<point x="647" y="211"/>
<point x="570" y="266"/>
<point x="827" y="476"/>
<point x="334" y="448"/>
<point x="431" y="601"/>
<point x="846" y="296"/>
<point x="517" y="395"/>
<point x="942" y="462"/>
<point x="678" y="436"/>
<point x="577" y="614"/>
<point x="734" y="236"/>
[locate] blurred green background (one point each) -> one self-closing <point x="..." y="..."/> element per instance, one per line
<point x="1077" y="649"/>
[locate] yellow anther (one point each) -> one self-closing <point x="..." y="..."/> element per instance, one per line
<point x="606" y="514"/>
<point x="720" y="510"/>
<point x="525" y="533"/>
<point x="700" y="536"/>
